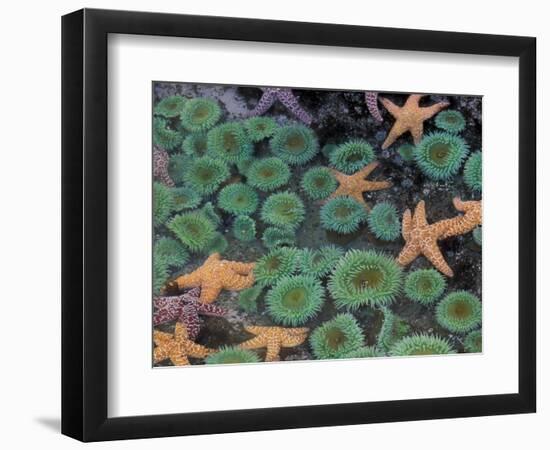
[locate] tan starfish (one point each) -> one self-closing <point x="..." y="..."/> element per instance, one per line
<point x="354" y="185"/>
<point x="421" y="238"/>
<point x="177" y="347"/>
<point x="409" y="117"/>
<point x="274" y="338"/>
<point x="217" y="274"/>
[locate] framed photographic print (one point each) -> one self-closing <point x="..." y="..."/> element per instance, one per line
<point x="336" y="221"/>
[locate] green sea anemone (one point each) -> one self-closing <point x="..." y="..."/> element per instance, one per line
<point x="206" y="174"/>
<point x="238" y="199"/>
<point x="342" y="214"/>
<point x="170" y="106"/>
<point x="248" y="298"/>
<point x="383" y="222"/>
<point x="164" y="136"/>
<point x="365" y="278"/>
<point x="440" y="155"/>
<point x="278" y="237"/>
<point x="421" y="344"/>
<point x="473" y="172"/>
<point x="244" y="165"/>
<point x="328" y="149"/>
<point x="424" y="286"/>
<point x="268" y="174"/>
<point x="450" y="120"/>
<point x="244" y="228"/>
<point x="364" y="352"/>
<point x="210" y="212"/>
<point x="278" y="263"/>
<point x="218" y="244"/>
<point x="163" y="203"/>
<point x="406" y="151"/>
<point x="229" y="142"/>
<point x="177" y="166"/>
<point x="259" y="128"/>
<point x="185" y="197"/>
<point x="459" y="312"/>
<point x="160" y="274"/>
<point x="283" y="209"/>
<point x="232" y="355"/>
<point x="473" y="342"/>
<point x="295" y="299"/>
<point x="294" y="144"/>
<point x="318" y="183"/>
<point x="194" y="230"/>
<point x="195" y="145"/>
<point x="351" y="156"/>
<point x="171" y="251"/>
<point x="477" y="234"/>
<point x="200" y="114"/>
<point x="320" y="262"/>
<point x="336" y="338"/>
<point x="385" y="337"/>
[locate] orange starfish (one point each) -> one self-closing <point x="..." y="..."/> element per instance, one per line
<point x="177" y="347"/>
<point x="409" y="117"/>
<point x="274" y="338"/>
<point x="354" y="185"/>
<point x="421" y="238"/>
<point x="217" y="274"/>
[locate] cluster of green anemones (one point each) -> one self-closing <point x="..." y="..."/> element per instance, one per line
<point x="276" y="264"/>
<point x="283" y="209"/>
<point x="163" y="203"/>
<point x="473" y="172"/>
<point x="450" y="120"/>
<point x="185" y="197"/>
<point x="318" y="183"/>
<point x="383" y="221"/>
<point x="232" y="355"/>
<point x="421" y="345"/>
<point x="259" y="128"/>
<point x="194" y="229"/>
<point x="337" y="338"/>
<point x="238" y="199"/>
<point x="320" y="262"/>
<point x="229" y="142"/>
<point x="459" y="312"/>
<point x="200" y="114"/>
<point x="294" y="144"/>
<point x="295" y="299"/>
<point x="268" y="174"/>
<point x="364" y="277"/>
<point x="278" y="237"/>
<point x="343" y="215"/>
<point x="424" y="286"/>
<point x="352" y="156"/>
<point x="244" y="228"/>
<point x="206" y="174"/>
<point x="195" y="145"/>
<point x="164" y="136"/>
<point x="440" y="155"/>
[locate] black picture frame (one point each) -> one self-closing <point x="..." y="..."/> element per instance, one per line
<point x="84" y="224"/>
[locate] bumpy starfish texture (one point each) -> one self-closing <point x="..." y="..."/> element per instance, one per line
<point x="186" y="309"/>
<point x="217" y="274"/>
<point x="409" y="117"/>
<point x="354" y="185"/>
<point x="371" y="99"/>
<point x="421" y="238"/>
<point x="273" y="338"/>
<point x="177" y="347"/>
<point x="287" y="98"/>
<point x="160" y="166"/>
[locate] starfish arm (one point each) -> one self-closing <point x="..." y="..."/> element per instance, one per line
<point x="164" y="310"/>
<point x="210" y="292"/>
<point x="416" y="131"/>
<point x="160" y="166"/>
<point x="406" y="224"/>
<point x="419" y="218"/>
<point x="210" y="310"/>
<point x="273" y="350"/>
<point x="190" y="318"/>
<point x="397" y="130"/>
<point x="160" y="338"/>
<point x="238" y="282"/>
<point x="432" y="110"/>
<point x="392" y="108"/>
<point x="288" y="99"/>
<point x="434" y="255"/>
<point x="371" y="99"/>
<point x="196" y="350"/>
<point x="367" y="170"/>
<point x="293" y="340"/>
<point x="377" y="185"/>
<point x="265" y="102"/>
<point x="240" y="267"/>
<point x="179" y="360"/>
<point x="359" y="197"/>
<point x="408" y="254"/>
<point x="254" y="329"/>
<point x="413" y="100"/>
<point x="255" y="342"/>
<point x="192" y="279"/>
<point x="160" y="354"/>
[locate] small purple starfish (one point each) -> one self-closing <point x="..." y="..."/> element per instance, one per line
<point x="160" y="166"/>
<point x="371" y="99"/>
<point x="184" y="308"/>
<point x="287" y="98"/>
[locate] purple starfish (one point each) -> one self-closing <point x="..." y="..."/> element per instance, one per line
<point x="160" y="166"/>
<point x="184" y="308"/>
<point x="287" y="98"/>
<point x="371" y="98"/>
